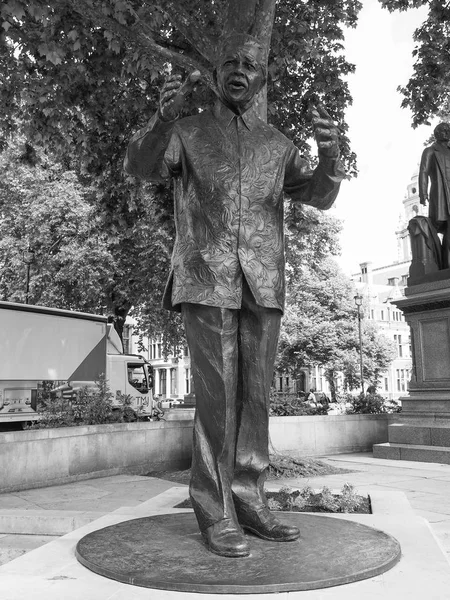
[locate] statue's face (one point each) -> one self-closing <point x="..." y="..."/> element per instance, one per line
<point x="442" y="132"/>
<point x="239" y="76"/>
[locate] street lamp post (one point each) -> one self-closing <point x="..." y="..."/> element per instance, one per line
<point x="358" y="301"/>
<point x="27" y="257"/>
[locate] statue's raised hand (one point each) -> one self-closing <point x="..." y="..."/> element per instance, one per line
<point x="325" y="132"/>
<point x="173" y="95"/>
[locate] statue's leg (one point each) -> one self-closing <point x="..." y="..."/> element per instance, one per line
<point x="212" y="338"/>
<point x="258" y="337"/>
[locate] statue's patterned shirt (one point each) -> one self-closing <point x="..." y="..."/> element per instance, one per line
<point x="230" y="175"/>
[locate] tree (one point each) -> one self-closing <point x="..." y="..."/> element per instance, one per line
<point x="82" y="75"/>
<point x="43" y="208"/>
<point x="320" y="323"/>
<point x="427" y="93"/>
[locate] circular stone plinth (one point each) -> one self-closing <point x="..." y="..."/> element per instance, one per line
<point x="167" y="552"/>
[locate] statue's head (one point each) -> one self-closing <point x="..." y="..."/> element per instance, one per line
<point x="442" y="132"/>
<point x="240" y="70"/>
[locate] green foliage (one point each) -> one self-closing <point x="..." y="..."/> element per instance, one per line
<point x="320" y="326"/>
<point x="367" y="403"/>
<point x="282" y="465"/>
<point x="94" y="406"/>
<point x="427" y="92"/>
<point x="289" y="405"/>
<point x="372" y="403"/>
<point x="308" y="500"/>
<point x="45" y="208"/>
<point x="54" y="411"/>
<point x="80" y="76"/>
<point x="86" y="406"/>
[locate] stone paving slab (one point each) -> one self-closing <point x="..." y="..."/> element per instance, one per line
<point x="52" y="573"/>
<point x="13" y="546"/>
<point x="45" y="522"/>
<point x="112" y="492"/>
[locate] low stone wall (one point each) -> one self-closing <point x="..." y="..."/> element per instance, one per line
<point x="43" y="457"/>
<point x="321" y="435"/>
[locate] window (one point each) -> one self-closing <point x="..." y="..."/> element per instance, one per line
<point x="126" y="335"/>
<point x="186" y="352"/>
<point x="398" y="342"/>
<point x="372" y="314"/>
<point x="187" y="381"/>
<point x="402" y="376"/>
<point x="163" y="382"/>
<point x="173" y="382"/>
<point x="137" y="377"/>
<point x="382" y="315"/>
<point x="159" y="350"/>
<point x="386" y="384"/>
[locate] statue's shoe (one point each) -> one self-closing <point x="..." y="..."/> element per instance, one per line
<point x="264" y="524"/>
<point x="226" y="539"/>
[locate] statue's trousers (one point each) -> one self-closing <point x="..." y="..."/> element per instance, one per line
<point x="233" y="354"/>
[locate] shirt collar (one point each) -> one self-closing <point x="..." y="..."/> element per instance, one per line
<point x="225" y="115"/>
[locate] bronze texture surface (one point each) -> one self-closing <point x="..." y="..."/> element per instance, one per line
<point x="167" y="552"/>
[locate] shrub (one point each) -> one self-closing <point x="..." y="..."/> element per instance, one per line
<point x="373" y="403"/>
<point x="86" y="406"/>
<point x="293" y="405"/>
<point x="93" y="406"/>
<point x="306" y="499"/>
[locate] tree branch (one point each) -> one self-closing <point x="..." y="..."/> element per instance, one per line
<point x="139" y="35"/>
<point x="263" y="24"/>
<point x="204" y="44"/>
<point x="240" y="16"/>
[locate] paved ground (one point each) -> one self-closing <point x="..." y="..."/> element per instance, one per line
<point x="427" y="487"/>
<point x="86" y="500"/>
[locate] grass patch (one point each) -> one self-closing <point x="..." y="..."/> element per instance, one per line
<point x="280" y="466"/>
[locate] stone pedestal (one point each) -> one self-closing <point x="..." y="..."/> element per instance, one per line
<point x="422" y="430"/>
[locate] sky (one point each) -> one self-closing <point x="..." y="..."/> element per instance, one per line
<point x="387" y="147"/>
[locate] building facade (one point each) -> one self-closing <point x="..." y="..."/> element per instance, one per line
<point x="382" y="285"/>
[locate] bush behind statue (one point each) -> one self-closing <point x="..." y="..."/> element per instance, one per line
<point x="286" y="405"/>
<point x="372" y="403"/>
<point x="86" y="406"/>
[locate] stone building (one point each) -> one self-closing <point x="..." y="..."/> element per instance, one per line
<point x="381" y="285"/>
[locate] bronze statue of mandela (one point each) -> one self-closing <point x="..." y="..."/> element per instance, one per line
<point x="231" y="171"/>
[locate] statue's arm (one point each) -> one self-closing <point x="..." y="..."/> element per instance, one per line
<point x="146" y="150"/>
<point x="318" y="187"/>
<point x="154" y="151"/>
<point x="423" y="174"/>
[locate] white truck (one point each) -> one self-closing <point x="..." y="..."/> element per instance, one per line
<point x="71" y="349"/>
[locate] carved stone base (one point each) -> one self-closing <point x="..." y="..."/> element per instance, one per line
<point x="422" y="430"/>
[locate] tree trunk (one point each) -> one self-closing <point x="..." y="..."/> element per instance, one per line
<point x="120" y="315"/>
<point x="254" y="17"/>
<point x="329" y="375"/>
